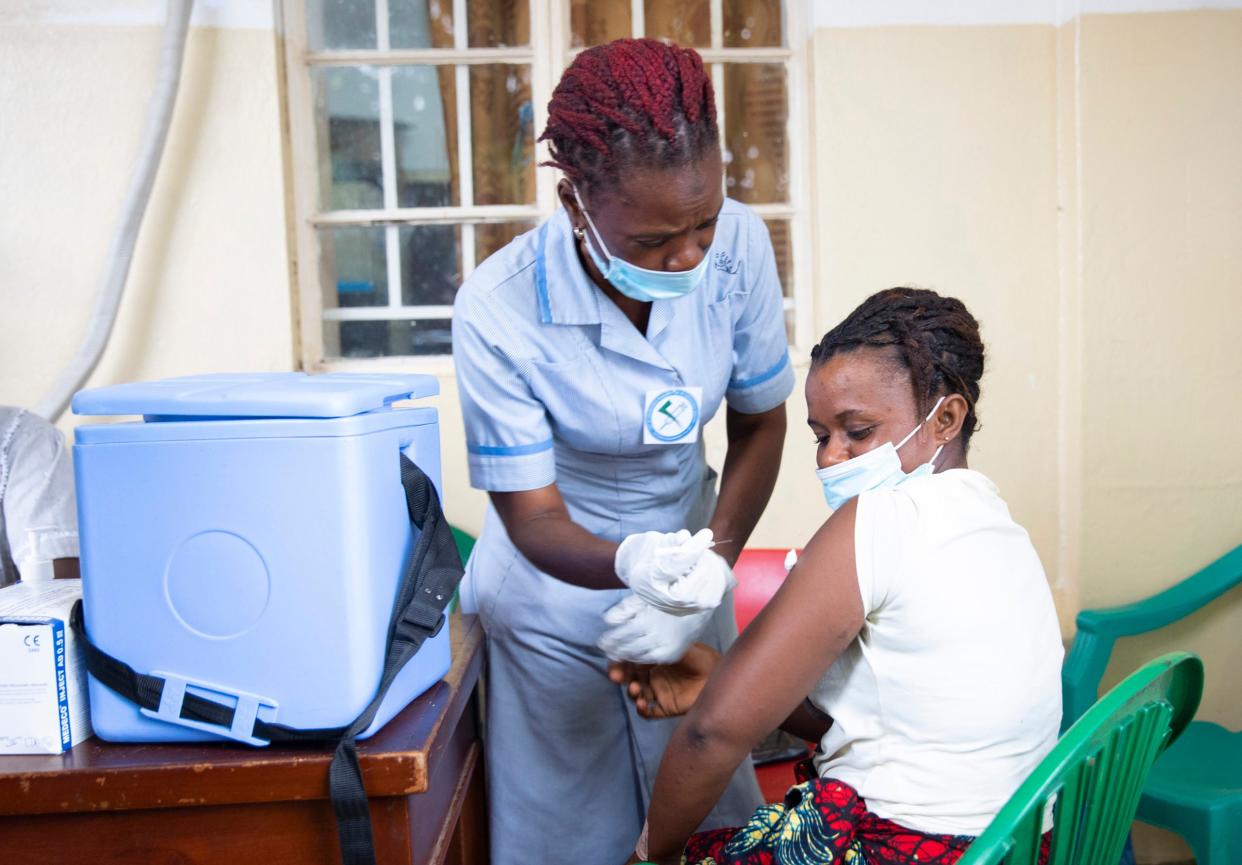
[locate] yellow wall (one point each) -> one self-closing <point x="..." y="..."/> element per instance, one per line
<point x="1162" y="297"/>
<point x="1161" y="135"/>
<point x="1080" y="187"/>
<point x="937" y="168"/>
<point x="209" y="287"/>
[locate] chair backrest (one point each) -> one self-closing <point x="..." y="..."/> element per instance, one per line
<point x="1096" y="771"/>
<point x="759" y="574"/>
<point x="1098" y="630"/>
<point x="464" y="541"/>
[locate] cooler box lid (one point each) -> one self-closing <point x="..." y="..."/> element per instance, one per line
<point x="255" y="395"/>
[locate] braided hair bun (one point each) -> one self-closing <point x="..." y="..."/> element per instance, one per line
<point x="935" y="338"/>
<point x="630" y="103"/>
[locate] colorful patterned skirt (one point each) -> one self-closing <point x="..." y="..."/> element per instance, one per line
<point x="823" y="821"/>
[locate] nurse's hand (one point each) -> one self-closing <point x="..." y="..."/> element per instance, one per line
<point x="666" y="690"/>
<point x="640" y="633"/>
<point x="674" y="571"/>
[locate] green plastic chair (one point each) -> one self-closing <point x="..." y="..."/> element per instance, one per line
<point x="1096" y="771"/>
<point x="1195" y="789"/>
<point x="465" y="543"/>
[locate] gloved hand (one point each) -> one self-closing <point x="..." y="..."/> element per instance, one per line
<point x="675" y="572"/>
<point x="640" y="633"/>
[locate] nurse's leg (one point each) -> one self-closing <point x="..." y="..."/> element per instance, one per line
<point x="649" y="738"/>
<point x="561" y="778"/>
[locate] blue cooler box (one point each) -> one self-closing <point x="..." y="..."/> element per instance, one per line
<point x="246" y="539"/>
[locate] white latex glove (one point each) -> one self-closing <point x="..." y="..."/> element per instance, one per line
<point x="645" y="551"/>
<point x="675" y="572"/>
<point x="641" y="633"/>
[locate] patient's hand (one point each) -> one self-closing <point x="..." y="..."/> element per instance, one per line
<point x="666" y="690"/>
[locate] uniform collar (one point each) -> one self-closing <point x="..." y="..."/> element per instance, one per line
<point x="566" y="293"/>
<point x="568" y="296"/>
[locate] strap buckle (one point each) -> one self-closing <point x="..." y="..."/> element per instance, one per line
<point x="439" y="626"/>
<point x="245" y="710"/>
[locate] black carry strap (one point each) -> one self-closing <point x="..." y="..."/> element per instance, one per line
<point x="429" y="581"/>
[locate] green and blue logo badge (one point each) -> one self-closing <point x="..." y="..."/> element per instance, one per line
<point x="671" y="416"/>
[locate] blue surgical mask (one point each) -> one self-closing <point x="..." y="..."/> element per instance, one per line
<point x="877" y="469"/>
<point x="639" y="283"/>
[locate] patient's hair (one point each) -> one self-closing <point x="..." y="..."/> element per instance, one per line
<point x="630" y="103"/>
<point x="935" y="338"/>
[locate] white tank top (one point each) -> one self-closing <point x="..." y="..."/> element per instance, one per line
<point x="951" y="693"/>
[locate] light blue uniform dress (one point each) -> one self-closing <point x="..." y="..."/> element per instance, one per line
<point x="553" y="379"/>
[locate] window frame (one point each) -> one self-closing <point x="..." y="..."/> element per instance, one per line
<point x="550" y="30"/>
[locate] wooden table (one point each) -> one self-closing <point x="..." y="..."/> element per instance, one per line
<point x="217" y="803"/>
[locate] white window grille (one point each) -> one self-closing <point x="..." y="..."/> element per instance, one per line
<point x="412" y="127"/>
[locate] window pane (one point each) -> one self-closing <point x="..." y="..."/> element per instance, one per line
<point x="430" y="264"/>
<point x="424" y="114"/>
<point x="498" y="23"/>
<point x="387" y="338"/>
<point x="751" y="23"/>
<point x="503" y="134"/>
<point x="333" y="24"/>
<point x="491" y="236"/>
<point x="686" y="22"/>
<point x="778" y="229"/>
<point x="348" y="131"/>
<point x="594" y="22"/>
<point x="782" y="246"/>
<point x="353" y="266"/>
<point x="420" y="23"/>
<point x="756" y="146"/>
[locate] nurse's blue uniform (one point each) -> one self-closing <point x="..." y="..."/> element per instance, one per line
<point x="552" y="378"/>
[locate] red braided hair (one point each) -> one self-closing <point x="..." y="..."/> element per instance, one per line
<point x="631" y="102"/>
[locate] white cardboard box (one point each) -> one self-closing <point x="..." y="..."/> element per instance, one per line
<point x="43" y="702"/>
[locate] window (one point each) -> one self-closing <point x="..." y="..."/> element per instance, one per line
<point x="412" y="131"/>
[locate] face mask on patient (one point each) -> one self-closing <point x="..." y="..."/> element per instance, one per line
<point x="879" y="468"/>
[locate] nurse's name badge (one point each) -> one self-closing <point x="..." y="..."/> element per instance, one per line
<point x="671" y="416"/>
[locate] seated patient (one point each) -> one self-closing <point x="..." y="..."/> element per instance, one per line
<point x="38" y="517"/>
<point x="915" y="639"/>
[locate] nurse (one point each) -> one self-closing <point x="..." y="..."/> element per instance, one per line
<point x="590" y="352"/>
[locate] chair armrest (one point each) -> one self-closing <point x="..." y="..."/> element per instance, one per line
<point x="1080" y="675"/>
<point x="1098" y="630"/>
<point x="1165" y="608"/>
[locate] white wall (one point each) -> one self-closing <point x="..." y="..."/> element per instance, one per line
<point x="209" y="288"/>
